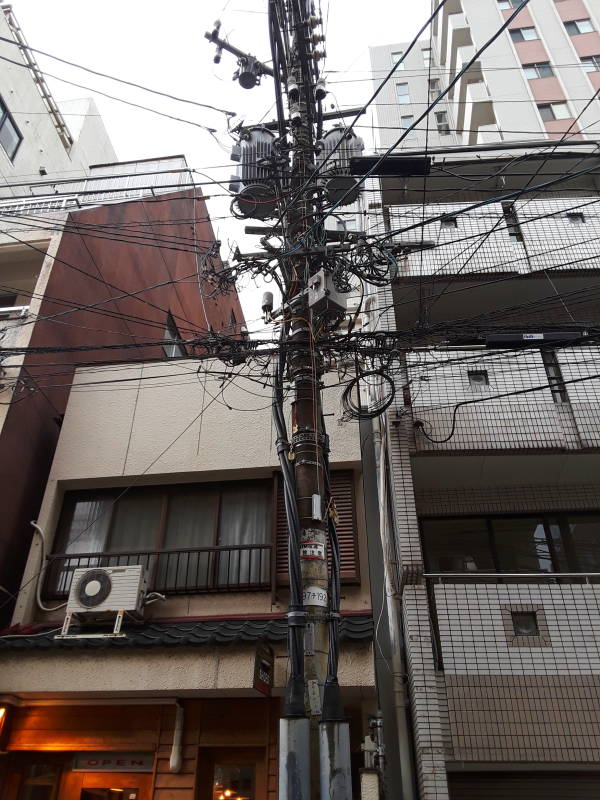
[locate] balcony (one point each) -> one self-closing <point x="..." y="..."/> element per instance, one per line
<point x="239" y="568"/>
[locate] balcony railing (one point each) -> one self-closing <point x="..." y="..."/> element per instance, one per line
<point x="234" y="568"/>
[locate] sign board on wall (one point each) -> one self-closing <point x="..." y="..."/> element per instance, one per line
<point x="113" y="762"/>
<point x="264" y="663"/>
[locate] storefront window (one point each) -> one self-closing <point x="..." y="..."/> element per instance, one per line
<point x="234" y="782"/>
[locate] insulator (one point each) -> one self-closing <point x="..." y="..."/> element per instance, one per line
<point x="293" y="90"/>
<point x="295" y="116"/>
<point x="320" y="89"/>
<point x="267" y="302"/>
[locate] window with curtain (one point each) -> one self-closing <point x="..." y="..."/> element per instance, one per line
<point x="197" y="537"/>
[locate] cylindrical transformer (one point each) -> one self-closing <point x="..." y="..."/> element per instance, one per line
<point x="340" y="186"/>
<point x="256" y="151"/>
<point x="257" y="198"/>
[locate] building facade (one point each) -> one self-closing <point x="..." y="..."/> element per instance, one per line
<point x="170" y="465"/>
<point x="491" y="456"/>
<point x="535" y="81"/>
<point x="90" y="255"/>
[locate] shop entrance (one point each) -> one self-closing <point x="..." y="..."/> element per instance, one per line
<point x="232" y="773"/>
<point x="49" y="777"/>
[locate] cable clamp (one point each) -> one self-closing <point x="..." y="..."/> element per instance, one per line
<point x="297" y="619"/>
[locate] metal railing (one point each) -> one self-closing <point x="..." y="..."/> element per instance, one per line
<point x="584" y="577"/>
<point x="187" y="571"/>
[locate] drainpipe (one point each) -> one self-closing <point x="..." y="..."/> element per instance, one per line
<point x="176" y="751"/>
<point x="394" y="621"/>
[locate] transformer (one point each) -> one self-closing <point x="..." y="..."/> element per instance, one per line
<point x="335" y="171"/>
<point x="257" y="198"/>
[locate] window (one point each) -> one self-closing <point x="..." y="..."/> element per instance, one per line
<point x="457" y="545"/>
<point x="523" y="34"/>
<point x="396" y="57"/>
<point x="552" y="111"/>
<point x="405" y="123"/>
<point x="441" y="120"/>
<point x="434" y="88"/>
<point x="343" y="225"/>
<point x="576" y="217"/>
<point x="172" y="349"/>
<point x="512" y="222"/>
<point x="8" y="300"/>
<point x="543" y="543"/>
<point x="591" y="63"/>
<point x="10" y="136"/>
<point x="426" y="56"/>
<point x="525" y="623"/>
<point x="402" y="93"/>
<point x="195" y="537"/>
<point x="449" y="222"/>
<point x="505" y="5"/>
<point x="232" y="319"/>
<point x="541" y="70"/>
<point x="478" y="378"/>
<point x="579" y="26"/>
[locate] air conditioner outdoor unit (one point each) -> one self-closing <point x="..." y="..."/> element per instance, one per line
<point x="104" y="592"/>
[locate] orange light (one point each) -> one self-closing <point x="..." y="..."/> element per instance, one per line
<point x="228" y="792"/>
<point x="2" y="713"/>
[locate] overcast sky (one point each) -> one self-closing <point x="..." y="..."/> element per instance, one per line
<point x="161" y="45"/>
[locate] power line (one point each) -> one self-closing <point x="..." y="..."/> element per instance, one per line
<point x="118" y="80"/>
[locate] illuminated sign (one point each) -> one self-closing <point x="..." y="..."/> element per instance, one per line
<point x="113" y="762"/>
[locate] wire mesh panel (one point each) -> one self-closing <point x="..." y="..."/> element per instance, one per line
<point x="521" y="665"/>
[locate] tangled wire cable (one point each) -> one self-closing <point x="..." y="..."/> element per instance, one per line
<point x="382" y="400"/>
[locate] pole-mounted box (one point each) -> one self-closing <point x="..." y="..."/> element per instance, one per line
<point x="323" y="297"/>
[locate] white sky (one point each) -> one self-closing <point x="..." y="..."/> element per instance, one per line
<point x="160" y="44"/>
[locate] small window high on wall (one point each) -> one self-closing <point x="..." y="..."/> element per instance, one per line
<point x="10" y="135"/>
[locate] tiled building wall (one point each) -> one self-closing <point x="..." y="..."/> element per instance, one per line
<point x="552" y="237"/>
<point x="430" y="725"/>
<point x="508" y="499"/>
<point x="513" y="700"/>
<point x="491" y="416"/>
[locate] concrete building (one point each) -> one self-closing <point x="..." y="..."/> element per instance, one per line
<point x="86" y="258"/>
<point x="156" y="466"/>
<point x="491" y="457"/>
<point x="533" y="82"/>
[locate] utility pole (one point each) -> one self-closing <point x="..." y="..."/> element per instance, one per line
<point x="314" y="735"/>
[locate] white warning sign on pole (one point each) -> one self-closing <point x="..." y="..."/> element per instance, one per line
<point x="312" y="550"/>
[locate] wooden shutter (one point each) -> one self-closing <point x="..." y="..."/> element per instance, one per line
<point x="342" y="488"/>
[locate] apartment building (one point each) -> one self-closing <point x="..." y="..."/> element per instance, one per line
<point x="170" y="466"/>
<point x="534" y="81"/>
<point x="491" y="470"/>
<point x="87" y="257"/>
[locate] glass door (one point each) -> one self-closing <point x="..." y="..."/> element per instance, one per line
<point x="232" y="773"/>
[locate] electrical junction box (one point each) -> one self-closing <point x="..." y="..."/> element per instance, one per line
<point x="323" y="297"/>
